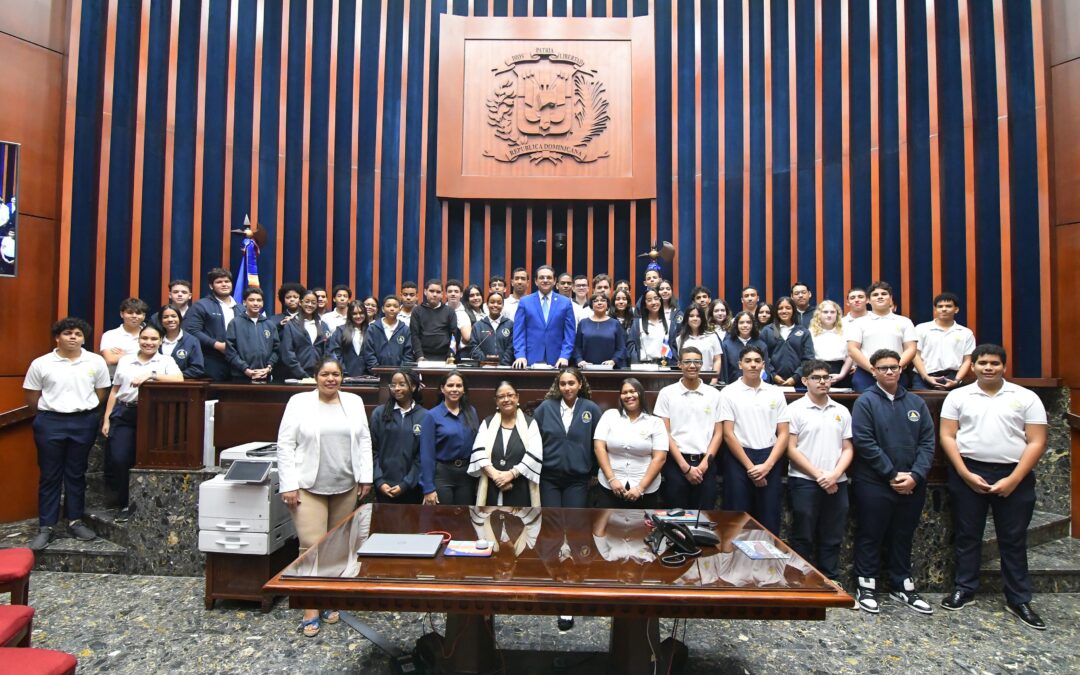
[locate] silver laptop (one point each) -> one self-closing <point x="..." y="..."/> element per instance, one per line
<point x="401" y="545"/>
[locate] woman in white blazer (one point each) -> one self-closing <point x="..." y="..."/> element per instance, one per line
<point x="324" y="463"/>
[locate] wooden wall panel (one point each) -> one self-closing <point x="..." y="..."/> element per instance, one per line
<point x="41" y="22"/>
<point x="1066" y="253"/>
<point x="1065" y="102"/>
<point x="1063" y="30"/>
<point x="37" y="75"/>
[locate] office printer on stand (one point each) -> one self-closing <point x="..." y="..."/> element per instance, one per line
<point x="244" y="527"/>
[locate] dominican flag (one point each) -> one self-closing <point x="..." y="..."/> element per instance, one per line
<point x="665" y="349"/>
<point x="249" y="269"/>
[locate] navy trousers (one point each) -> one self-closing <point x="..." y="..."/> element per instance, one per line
<point x="861" y="380"/>
<point x="819" y="521"/>
<point x="1012" y="515"/>
<point x="740" y="493"/>
<point x="887" y="519"/>
<point x="63" y="448"/>
<point x="565" y="490"/>
<point x="681" y="493"/>
<point x="120" y="451"/>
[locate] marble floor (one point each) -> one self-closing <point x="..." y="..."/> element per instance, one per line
<point x="143" y="624"/>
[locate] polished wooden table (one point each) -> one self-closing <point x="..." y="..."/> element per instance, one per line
<point x="550" y="561"/>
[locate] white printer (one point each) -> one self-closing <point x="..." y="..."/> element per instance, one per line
<point x="243" y="518"/>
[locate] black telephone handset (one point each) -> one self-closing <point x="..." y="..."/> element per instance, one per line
<point x="681" y="546"/>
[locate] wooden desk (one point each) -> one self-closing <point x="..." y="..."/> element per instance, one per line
<point x="171" y="414"/>
<point x="584" y="562"/>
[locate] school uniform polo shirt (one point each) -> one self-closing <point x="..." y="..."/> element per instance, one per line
<point x="692" y="414"/>
<point x="129" y="367"/>
<point x="944" y="348"/>
<point x="821" y="432"/>
<point x="66" y="385"/>
<point x="991" y="428"/>
<point x="876" y="331"/>
<point x="118" y="337"/>
<point x="755" y="412"/>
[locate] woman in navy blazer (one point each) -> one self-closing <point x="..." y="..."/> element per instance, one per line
<point x="383" y="350"/>
<point x="183" y="348"/>
<point x="569" y="461"/>
<point x="743" y="333"/>
<point x="300" y="352"/>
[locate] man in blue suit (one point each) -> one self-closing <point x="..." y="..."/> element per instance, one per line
<point x="544" y="325"/>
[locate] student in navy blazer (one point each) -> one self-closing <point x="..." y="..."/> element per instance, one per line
<point x="206" y="321"/>
<point x="181" y="346"/>
<point x="787" y="352"/>
<point x="540" y="341"/>
<point x="569" y="461"/>
<point x="347" y="341"/>
<point x="394" y="349"/>
<point x="300" y="350"/>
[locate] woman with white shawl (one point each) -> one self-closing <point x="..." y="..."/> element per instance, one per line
<point x="507" y="455"/>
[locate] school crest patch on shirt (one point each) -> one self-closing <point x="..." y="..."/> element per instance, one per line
<point x="506" y="332"/>
<point x="913" y="415"/>
<point x="181" y="354"/>
<point x="401" y="339"/>
<point x="1015" y="404"/>
<point x="839" y="419"/>
<point x="416" y="429"/>
<point x="586" y="417"/>
<point x="266" y="334"/>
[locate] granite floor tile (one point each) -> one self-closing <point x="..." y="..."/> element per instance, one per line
<point x="142" y="624"/>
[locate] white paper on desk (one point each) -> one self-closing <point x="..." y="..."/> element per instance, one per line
<point x="424" y="363"/>
<point x="599" y="366"/>
<point x="542" y="366"/>
<point x="645" y="367"/>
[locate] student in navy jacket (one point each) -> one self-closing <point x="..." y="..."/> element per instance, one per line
<point x="493" y="334"/>
<point x="209" y="317"/>
<point x="894" y="446"/>
<point x="743" y="333"/>
<point x="569" y="461"/>
<point x="347" y="341"/>
<point x="303" y="340"/>
<point x="789" y="343"/>
<point x="394" y="349"/>
<point x="395" y="441"/>
<point x="252" y="342"/>
<point x="181" y="346"/>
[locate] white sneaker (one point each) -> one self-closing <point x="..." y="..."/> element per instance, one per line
<point x="911" y="598"/>
<point x="866" y="595"/>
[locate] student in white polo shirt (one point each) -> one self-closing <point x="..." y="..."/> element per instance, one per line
<point x="124" y="339"/>
<point x="879" y="329"/>
<point x="943" y="350"/>
<point x="689" y="410"/>
<point x="755" y="421"/>
<point x="819" y="451"/>
<point x="146" y="365"/>
<point x="65" y="388"/>
<point x="994" y="433"/>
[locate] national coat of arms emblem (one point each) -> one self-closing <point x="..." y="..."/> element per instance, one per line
<point x="547" y="105"/>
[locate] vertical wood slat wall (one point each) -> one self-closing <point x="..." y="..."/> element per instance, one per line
<point x="771" y="167"/>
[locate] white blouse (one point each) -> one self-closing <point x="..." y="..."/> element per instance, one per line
<point x="630" y="445"/>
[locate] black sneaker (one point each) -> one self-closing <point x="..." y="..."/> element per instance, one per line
<point x="41" y="540"/>
<point x="1025" y="613"/>
<point x="124" y="514"/>
<point x="565" y="623"/>
<point x="80" y="531"/>
<point x="911" y="598"/>
<point x="958" y="600"/>
<point x="866" y="595"/>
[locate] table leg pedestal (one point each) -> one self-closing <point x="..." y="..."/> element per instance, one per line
<point x="635" y="641"/>
<point x="467" y="647"/>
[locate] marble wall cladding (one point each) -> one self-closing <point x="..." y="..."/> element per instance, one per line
<point x="1054" y="471"/>
<point x="163" y="533"/>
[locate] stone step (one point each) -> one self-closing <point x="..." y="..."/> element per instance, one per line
<point x="103" y="521"/>
<point x="65" y="553"/>
<point x="1045" y="527"/>
<point x="1054" y="567"/>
